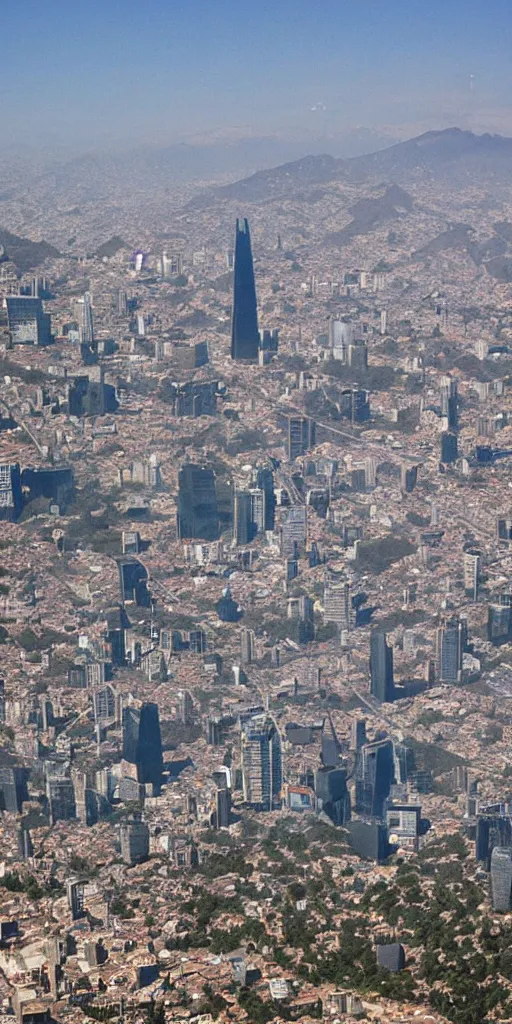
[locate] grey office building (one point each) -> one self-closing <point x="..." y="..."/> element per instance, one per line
<point x="27" y="322"/>
<point x="501" y="878"/>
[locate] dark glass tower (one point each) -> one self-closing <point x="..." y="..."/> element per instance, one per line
<point x="381" y="668"/>
<point x="142" y="743"/>
<point x="375" y="774"/>
<point x="265" y="481"/>
<point x="245" y="339"/>
<point x="198" y="517"/>
<point x="450" y="645"/>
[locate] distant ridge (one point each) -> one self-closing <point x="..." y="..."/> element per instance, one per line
<point x="449" y="154"/>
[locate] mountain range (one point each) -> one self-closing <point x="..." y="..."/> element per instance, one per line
<point x="452" y="156"/>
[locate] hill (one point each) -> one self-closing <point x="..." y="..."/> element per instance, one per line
<point x="369" y="214"/>
<point x="111" y="247"/>
<point x="24" y="253"/>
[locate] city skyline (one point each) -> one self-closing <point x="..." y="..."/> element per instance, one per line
<point x="256" y="513"/>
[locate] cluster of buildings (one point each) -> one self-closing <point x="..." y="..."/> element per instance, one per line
<point x="248" y="576"/>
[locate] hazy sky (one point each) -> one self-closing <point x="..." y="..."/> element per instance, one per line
<point x="163" y="70"/>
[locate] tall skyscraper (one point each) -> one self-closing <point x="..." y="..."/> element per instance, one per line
<point x="142" y="742"/>
<point x="381" y="668"/>
<point x="408" y="478"/>
<point x="106" y="705"/>
<point x="185" y="707"/>
<point x="117" y="624"/>
<point x="501" y="878"/>
<point x="265" y="482"/>
<point x="504" y="529"/>
<point x="341" y="337"/>
<point x="338" y="605"/>
<point x="198" y="517"/>
<point x="247" y="646"/>
<point x="262" y="764"/>
<point x="13" y="789"/>
<point x="222" y="816"/>
<point x="499" y="624"/>
<point x="86" y="326"/>
<point x="355" y="404"/>
<point x="357" y="734"/>
<point x="294" y="530"/>
<point x="248" y="514"/>
<point x="305" y="623"/>
<point x="449" y="402"/>
<point x="60" y="794"/>
<point x="121" y="302"/>
<point x="332" y="793"/>
<point x="450" y="644"/>
<point x="245" y="338"/>
<point x="172" y="264"/>
<point x="471" y="574"/>
<point x="375" y="774"/>
<point x="493" y="829"/>
<point x="243" y="529"/>
<point x="301" y="436"/>
<point x="449" y="448"/>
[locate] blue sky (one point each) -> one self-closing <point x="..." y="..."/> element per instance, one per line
<point x="162" y="70"/>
